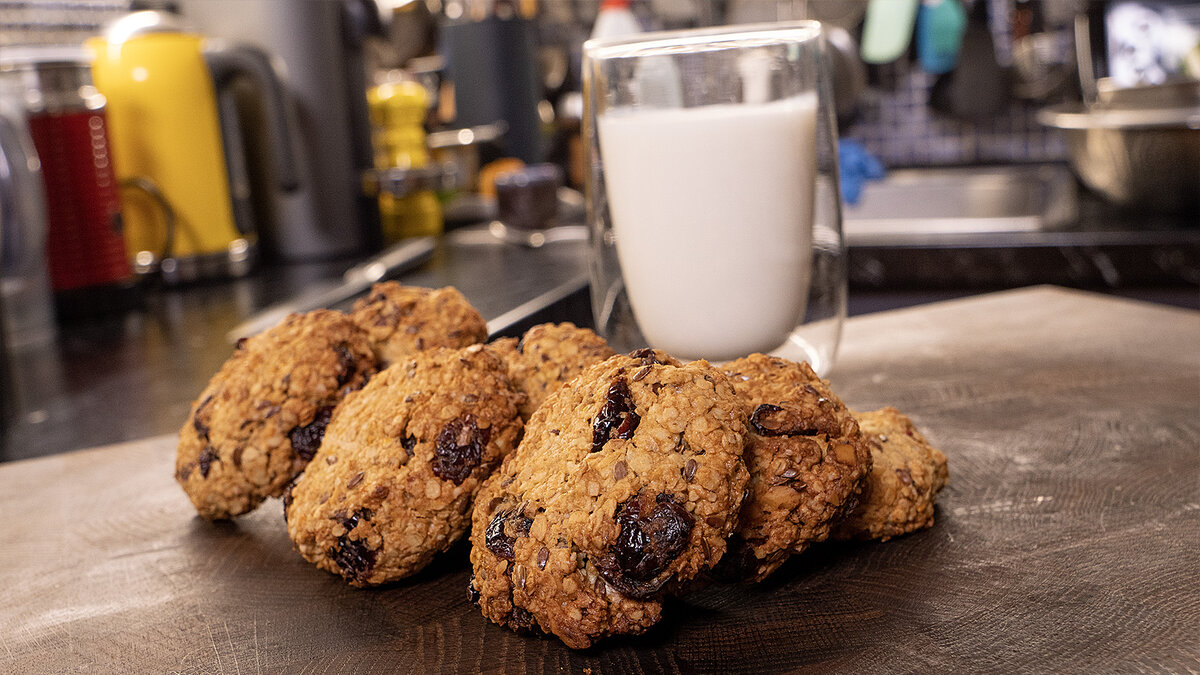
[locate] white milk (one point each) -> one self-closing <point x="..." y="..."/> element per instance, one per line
<point x="712" y="211"/>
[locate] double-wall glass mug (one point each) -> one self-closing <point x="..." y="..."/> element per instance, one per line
<point x="712" y="193"/>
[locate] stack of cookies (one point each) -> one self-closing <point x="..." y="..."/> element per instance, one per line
<point x="593" y="485"/>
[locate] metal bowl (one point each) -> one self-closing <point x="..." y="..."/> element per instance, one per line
<point x="1134" y="156"/>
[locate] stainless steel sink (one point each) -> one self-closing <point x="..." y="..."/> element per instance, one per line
<point x="923" y="206"/>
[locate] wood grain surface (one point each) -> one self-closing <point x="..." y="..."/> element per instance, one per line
<point x="1067" y="541"/>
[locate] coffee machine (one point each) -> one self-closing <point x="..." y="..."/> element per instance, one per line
<point x="318" y="47"/>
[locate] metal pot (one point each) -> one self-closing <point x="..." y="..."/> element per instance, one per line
<point x="1134" y="156"/>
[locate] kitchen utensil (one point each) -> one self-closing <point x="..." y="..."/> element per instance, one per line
<point x="888" y="29"/>
<point x="940" y="28"/>
<point x="977" y="89"/>
<point x="66" y="118"/>
<point x="1136" y="146"/>
<point x="187" y="204"/>
<point x="1089" y="46"/>
<point x="396" y="260"/>
<point x="1134" y="156"/>
<point x="320" y="46"/>
<point x="716" y="220"/>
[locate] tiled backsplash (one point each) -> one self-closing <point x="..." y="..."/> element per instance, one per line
<point x="900" y="126"/>
<point x="897" y="124"/>
<point x="54" y="22"/>
<point x="902" y="129"/>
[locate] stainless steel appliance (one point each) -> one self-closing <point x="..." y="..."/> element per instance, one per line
<point x="319" y="46"/>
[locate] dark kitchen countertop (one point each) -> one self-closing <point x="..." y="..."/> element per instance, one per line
<point x="134" y="376"/>
<point x="1064" y="542"/>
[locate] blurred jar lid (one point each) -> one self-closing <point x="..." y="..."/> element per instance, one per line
<point x="37" y="56"/>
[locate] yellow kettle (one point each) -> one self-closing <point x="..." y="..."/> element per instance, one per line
<point x="186" y="206"/>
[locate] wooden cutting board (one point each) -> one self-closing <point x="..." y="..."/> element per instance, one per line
<point x="1068" y="539"/>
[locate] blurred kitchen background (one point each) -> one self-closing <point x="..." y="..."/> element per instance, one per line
<point x="171" y="168"/>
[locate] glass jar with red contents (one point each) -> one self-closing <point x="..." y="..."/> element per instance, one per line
<point x="85" y="250"/>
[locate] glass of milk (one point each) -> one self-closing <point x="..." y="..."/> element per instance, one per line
<point x="712" y="193"/>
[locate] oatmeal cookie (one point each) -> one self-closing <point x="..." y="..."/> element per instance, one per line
<point x="903" y="484"/>
<point x="403" y="320"/>
<point x="262" y="416"/>
<point x="807" y="461"/>
<point x="548" y="356"/>
<point x="393" y="483"/>
<point x="628" y="482"/>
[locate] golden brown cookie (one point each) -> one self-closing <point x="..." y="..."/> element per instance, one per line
<point x="262" y="416"/>
<point x="807" y="461"/>
<point x="628" y="481"/>
<point x="402" y="320"/>
<point x="904" y="481"/>
<point x="393" y="483"/>
<point x="547" y="356"/>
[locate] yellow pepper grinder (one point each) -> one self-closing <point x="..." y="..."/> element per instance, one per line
<point x="398" y="114"/>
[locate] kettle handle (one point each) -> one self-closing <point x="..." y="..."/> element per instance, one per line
<point x="151" y="190"/>
<point x="227" y="62"/>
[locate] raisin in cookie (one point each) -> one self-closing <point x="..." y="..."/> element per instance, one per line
<point x="904" y="481"/>
<point x="403" y="320"/>
<point x="807" y="461"/>
<point x="393" y="482"/>
<point x="628" y="481"/>
<point x="547" y="356"/>
<point x="262" y="416"/>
